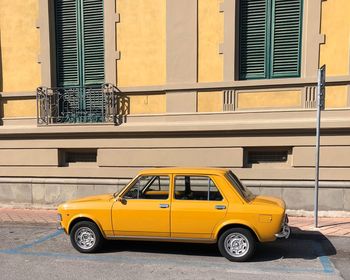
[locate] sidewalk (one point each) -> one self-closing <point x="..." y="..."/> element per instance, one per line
<point x="327" y="226"/>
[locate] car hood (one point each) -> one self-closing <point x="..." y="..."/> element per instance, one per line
<point x="95" y="198"/>
<point x="268" y="201"/>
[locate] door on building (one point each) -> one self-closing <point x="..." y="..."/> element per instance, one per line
<point x="79" y="36"/>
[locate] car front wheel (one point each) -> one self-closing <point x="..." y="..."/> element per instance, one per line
<point x="86" y="237"/>
<point x="237" y="244"/>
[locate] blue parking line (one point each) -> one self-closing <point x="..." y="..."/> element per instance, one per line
<point x="324" y="260"/>
<point x="147" y="260"/>
<point x="327" y="265"/>
<point x="36" y="242"/>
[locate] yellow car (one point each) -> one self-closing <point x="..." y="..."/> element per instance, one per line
<point x="198" y="205"/>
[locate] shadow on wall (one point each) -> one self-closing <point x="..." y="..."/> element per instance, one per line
<point x="123" y="109"/>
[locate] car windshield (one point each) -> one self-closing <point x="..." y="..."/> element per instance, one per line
<point x="236" y="183"/>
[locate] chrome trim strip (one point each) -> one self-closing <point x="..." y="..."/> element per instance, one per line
<point x="166" y="239"/>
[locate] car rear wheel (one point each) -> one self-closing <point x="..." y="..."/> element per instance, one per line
<point x="86" y="237"/>
<point x="236" y="244"/>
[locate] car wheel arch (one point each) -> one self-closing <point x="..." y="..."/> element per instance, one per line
<point x="82" y="218"/>
<point x="229" y="225"/>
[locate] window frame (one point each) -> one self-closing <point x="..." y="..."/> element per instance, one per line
<point x="269" y="44"/>
<point x="133" y="182"/>
<point x="192" y="200"/>
<point x="81" y="70"/>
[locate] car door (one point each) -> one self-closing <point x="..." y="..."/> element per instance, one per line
<point x="144" y="208"/>
<point x="196" y="208"/>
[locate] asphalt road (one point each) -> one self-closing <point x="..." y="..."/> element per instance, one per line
<point x="42" y="252"/>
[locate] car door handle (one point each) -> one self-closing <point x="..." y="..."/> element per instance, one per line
<point x="164" y="205"/>
<point x="220" y="207"/>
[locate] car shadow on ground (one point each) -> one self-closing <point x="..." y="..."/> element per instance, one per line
<point x="306" y="245"/>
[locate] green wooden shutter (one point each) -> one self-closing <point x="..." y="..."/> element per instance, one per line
<point x="270" y="38"/>
<point x="286" y="38"/>
<point x="79" y="42"/>
<point x="67" y="43"/>
<point x="253" y="26"/>
<point x="93" y="41"/>
<point x="93" y="56"/>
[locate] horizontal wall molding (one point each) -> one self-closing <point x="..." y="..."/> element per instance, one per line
<point x="238" y="85"/>
<point x="188" y="142"/>
<point x="23" y="94"/>
<point x="197" y="123"/>
<point x="64" y="181"/>
<point x="19" y="121"/>
<point x="256" y="174"/>
<point x="124" y="181"/>
<point x="296" y="184"/>
<point x="213" y="86"/>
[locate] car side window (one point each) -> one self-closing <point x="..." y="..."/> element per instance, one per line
<point x="149" y="187"/>
<point x="196" y="188"/>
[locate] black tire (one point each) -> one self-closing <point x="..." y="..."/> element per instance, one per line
<point x="90" y="229"/>
<point x="244" y="237"/>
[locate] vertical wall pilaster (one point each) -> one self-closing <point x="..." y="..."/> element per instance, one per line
<point x="311" y="38"/>
<point x="229" y="45"/>
<point x="47" y="41"/>
<point x="111" y="17"/>
<point x="182" y="52"/>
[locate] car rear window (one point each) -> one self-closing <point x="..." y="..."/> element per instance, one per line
<point x="237" y="184"/>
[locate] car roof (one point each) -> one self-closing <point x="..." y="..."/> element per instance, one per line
<point x="185" y="170"/>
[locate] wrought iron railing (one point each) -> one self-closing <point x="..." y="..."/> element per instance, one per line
<point x="78" y="105"/>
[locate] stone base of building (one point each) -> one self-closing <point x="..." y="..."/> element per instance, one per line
<point x="49" y="192"/>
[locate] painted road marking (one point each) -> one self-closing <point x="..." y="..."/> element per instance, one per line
<point x="323" y="259"/>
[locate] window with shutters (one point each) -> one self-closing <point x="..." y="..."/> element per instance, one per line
<point x="79" y="43"/>
<point x="270" y="39"/>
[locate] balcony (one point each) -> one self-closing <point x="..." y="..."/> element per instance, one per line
<point x="79" y="105"/>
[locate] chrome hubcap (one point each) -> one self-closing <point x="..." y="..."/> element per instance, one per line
<point x="85" y="238"/>
<point x="236" y="244"/>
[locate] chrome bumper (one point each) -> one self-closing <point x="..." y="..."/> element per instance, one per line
<point x="285" y="232"/>
<point x="59" y="220"/>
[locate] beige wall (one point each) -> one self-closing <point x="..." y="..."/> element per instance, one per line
<point x="336" y="97"/>
<point x="141" y="42"/>
<point x="230" y="157"/>
<point x="210" y="36"/>
<point x="269" y="99"/>
<point x="28" y="157"/>
<point x="329" y="156"/>
<point x="335" y="53"/>
<point x="18" y="107"/>
<point x="211" y="101"/>
<point x="19" y="45"/>
<point x="147" y="104"/>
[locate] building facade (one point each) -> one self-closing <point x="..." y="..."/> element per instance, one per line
<point x="92" y="91"/>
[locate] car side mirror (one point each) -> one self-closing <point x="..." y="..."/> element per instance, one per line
<point x="122" y="200"/>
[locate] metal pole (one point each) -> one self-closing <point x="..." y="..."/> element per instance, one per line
<point x="317" y="163"/>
